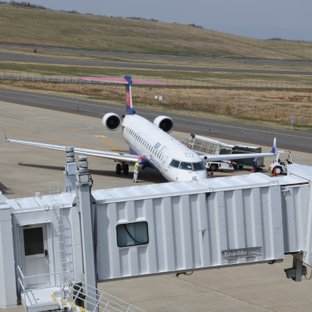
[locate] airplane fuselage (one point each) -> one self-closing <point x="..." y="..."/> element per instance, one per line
<point x="170" y="157"/>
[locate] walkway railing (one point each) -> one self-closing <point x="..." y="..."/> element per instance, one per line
<point x="213" y="82"/>
<point x="67" y="295"/>
<point x="92" y="299"/>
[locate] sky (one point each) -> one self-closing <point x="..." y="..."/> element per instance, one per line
<point x="262" y="19"/>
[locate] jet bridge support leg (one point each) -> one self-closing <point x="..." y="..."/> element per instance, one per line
<point x="84" y="202"/>
<point x="8" y="295"/>
<point x="298" y="269"/>
<point x="70" y="170"/>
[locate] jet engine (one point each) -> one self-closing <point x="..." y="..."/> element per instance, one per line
<point x="111" y="121"/>
<point x="164" y="122"/>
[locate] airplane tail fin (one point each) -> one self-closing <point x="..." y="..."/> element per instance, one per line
<point x="129" y="102"/>
<point x="128" y="82"/>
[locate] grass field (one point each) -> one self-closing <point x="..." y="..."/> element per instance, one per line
<point x="272" y="97"/>
<point x="23" y="25"/>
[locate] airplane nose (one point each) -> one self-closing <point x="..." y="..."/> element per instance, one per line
<point x="197" y="176"/>
<point x="202" y="175"/>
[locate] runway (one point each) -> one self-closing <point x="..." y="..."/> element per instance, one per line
<point x="294" y="140"/>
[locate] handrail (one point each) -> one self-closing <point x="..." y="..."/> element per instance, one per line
<point x="91" y="297"/>
<point x="58" y="277"/>
<point x="20" y="272"/>
<point x="26" y="292"/>
<point x="47" y="274"/>
<point x="99" y="300"/>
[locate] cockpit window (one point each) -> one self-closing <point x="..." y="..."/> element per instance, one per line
<point x="186" y="165"/>
<point x="197" y="166"/>
<point x="174" y="163"/>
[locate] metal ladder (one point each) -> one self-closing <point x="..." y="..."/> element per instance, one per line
<point x="64" y="242"/>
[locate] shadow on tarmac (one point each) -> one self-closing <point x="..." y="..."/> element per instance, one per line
<point x="148" y="174"/>
<point x="4" y="190"/>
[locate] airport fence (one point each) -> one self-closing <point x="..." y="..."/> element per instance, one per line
<point x="213" y="83"/>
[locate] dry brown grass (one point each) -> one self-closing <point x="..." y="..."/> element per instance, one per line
<point x="272" y="106"/>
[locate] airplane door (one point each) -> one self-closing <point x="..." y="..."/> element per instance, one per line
<point x="34" y="253"/>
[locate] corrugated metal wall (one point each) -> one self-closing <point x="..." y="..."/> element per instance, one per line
<point x="192" y="231"/>
<point x="295" y="201"/>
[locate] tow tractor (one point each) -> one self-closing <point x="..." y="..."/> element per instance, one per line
<point x="279" y="165"/>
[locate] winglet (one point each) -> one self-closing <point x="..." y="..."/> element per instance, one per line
<point x="6" y="138"/>
<point x="274" y="147"/>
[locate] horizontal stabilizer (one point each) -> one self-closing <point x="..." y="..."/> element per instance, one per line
<point x="122" y="81"/>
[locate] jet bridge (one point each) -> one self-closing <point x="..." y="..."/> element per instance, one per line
<point x="211" y="223"/>
<point x="79" y="237"/>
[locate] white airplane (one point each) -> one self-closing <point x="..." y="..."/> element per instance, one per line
<point x="149" y="142"/>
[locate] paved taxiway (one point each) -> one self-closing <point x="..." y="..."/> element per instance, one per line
<point x="251" y="133"/>
<point x="25" y="170"/>
<point x="147" y="64"/>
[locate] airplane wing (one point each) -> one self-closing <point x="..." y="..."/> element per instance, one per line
<point x="234" y="156"/>
<point x="84" y="151"/>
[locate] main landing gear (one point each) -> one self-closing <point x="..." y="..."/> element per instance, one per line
<point x="122" y="168"/>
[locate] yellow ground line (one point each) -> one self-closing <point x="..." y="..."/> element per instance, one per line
<point x="108" y="143"/>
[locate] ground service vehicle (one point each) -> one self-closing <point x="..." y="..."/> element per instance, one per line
<point x="279" y="165"/>
<point x="210" y="146"/>
<point x="219" y="165"/>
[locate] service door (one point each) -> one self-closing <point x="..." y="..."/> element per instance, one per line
<point x="35" y="258"/>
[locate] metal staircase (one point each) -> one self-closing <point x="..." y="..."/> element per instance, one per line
<point x="63" y="239"/>
<point x="82" y="297"/>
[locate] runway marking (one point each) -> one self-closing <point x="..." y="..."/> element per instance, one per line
<point x="107" y="142"/>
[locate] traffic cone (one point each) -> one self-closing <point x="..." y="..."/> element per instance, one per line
<point x="274" y="172"/>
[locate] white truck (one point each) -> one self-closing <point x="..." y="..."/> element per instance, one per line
<point x="219" y="166"/>
<point x="204" y="145"/>
<point x="279" y="164"/>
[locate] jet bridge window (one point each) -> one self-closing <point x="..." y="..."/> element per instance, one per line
<point x="33" y="241"/>
<point x="132" y="234"/>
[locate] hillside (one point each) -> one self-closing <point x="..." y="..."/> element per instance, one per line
<point x="23" y="25"/>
